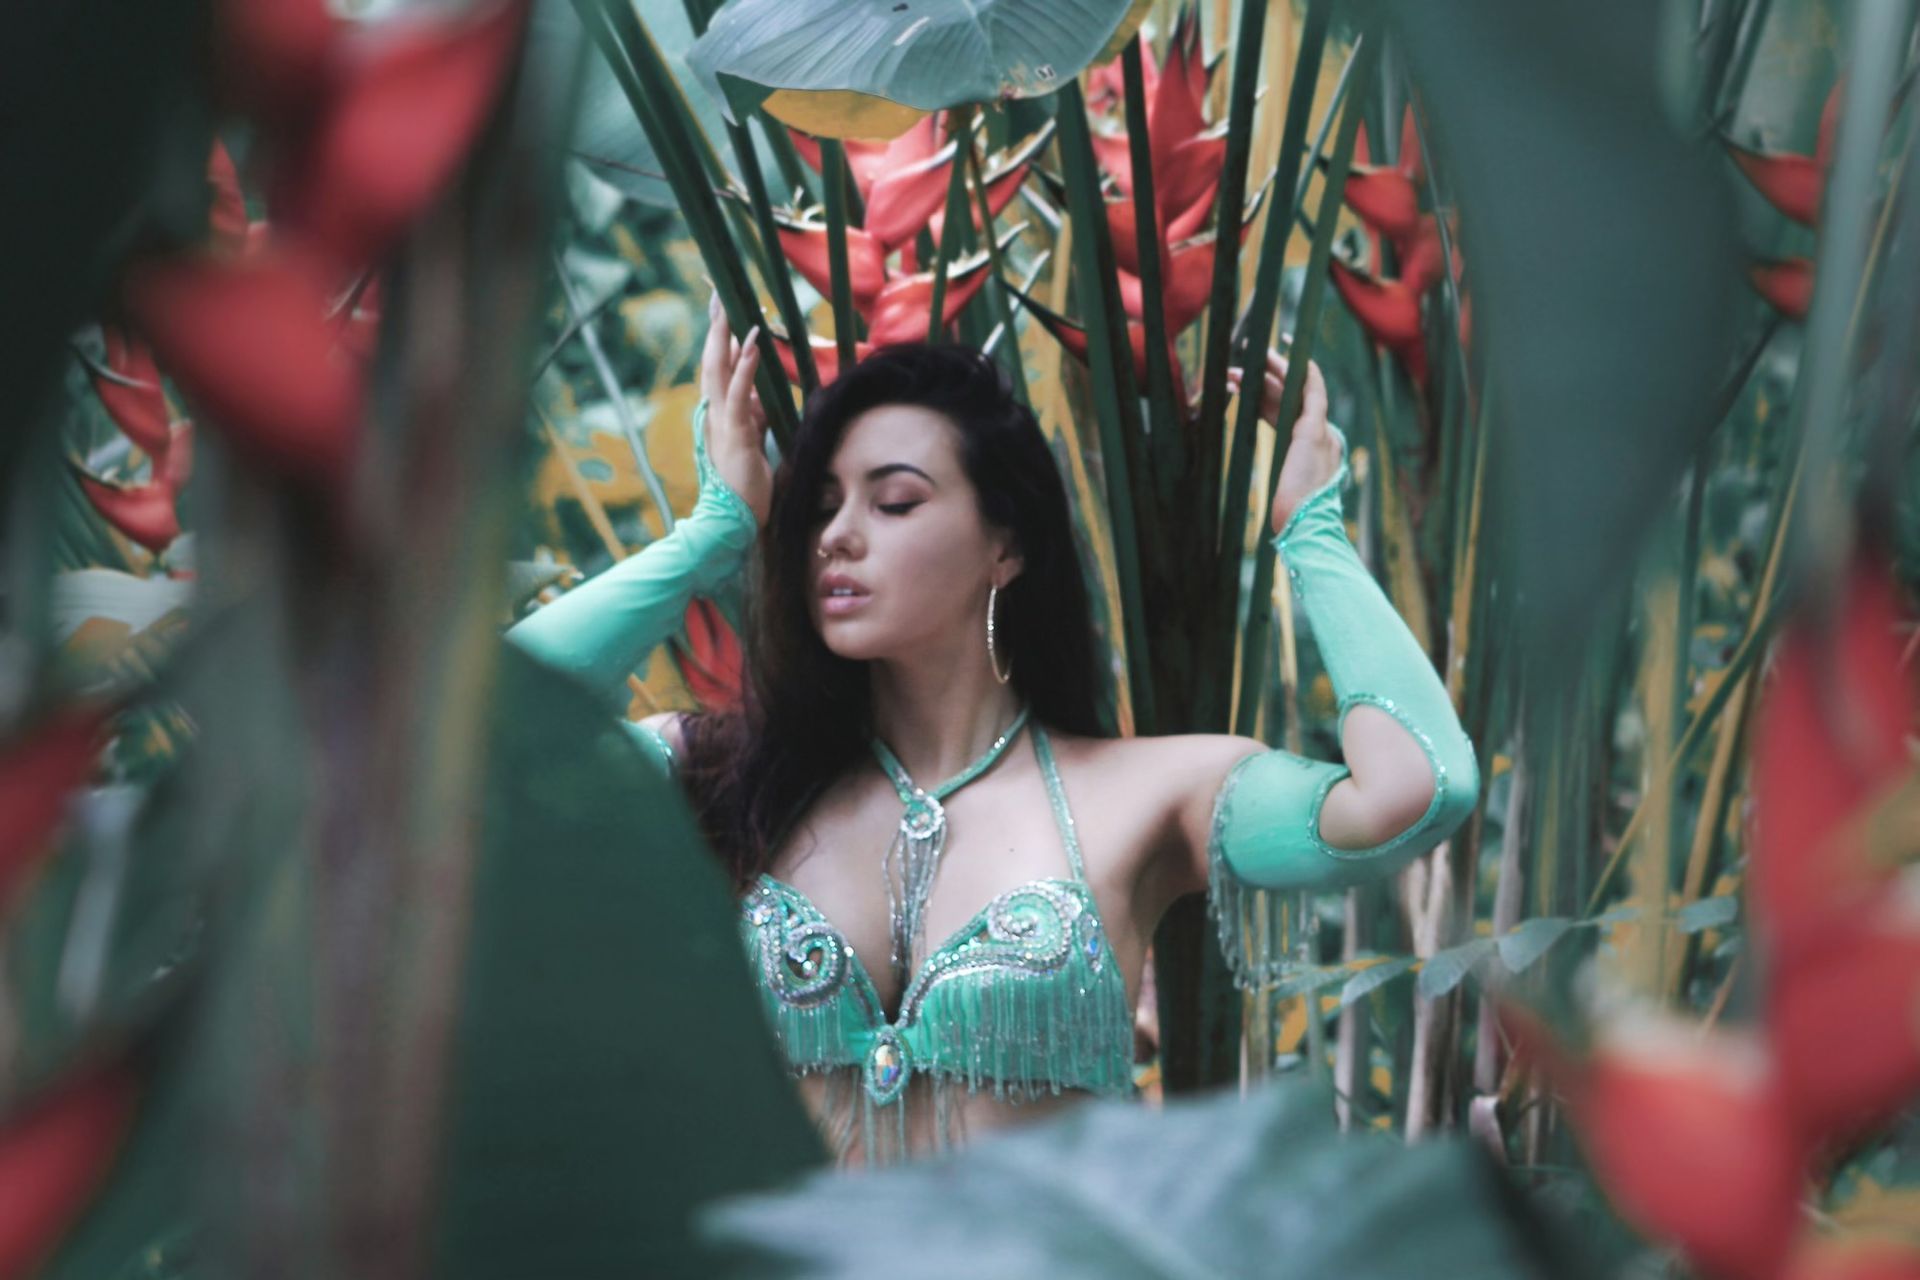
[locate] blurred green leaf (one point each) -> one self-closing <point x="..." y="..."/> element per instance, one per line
<point x="1530" y="940"/>
<point x="1445" y="970"/>
<point x="1214" y="1186"/>
<point x="1707" y="913"/>
<point x="612" y="1069"/>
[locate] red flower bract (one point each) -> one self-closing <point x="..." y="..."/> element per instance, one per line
<point x="139" y="410"/>
<point x="406" y="106"/>
<point x="1686" y="1135"/>
<point x="1829" y="741"/>
<point x="37" y="773"/>
<point x="250" y="342"/>
<point x="52" y="1158"/>
<point x="144" y="513"/>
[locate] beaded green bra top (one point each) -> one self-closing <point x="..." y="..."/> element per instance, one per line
<point x="1025" y="999"/>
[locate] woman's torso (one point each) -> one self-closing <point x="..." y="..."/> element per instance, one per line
<point x="1011" y="845"/>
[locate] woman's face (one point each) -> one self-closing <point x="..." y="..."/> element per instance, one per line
<point x="908" y="558"/>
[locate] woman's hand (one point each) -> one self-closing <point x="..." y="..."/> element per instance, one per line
<point x="1313" y="453"/>
<point x="736" y="425"/>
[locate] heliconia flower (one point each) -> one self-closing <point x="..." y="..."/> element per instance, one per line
<point x="407" y="102"/>
<point x="1840" y="1018"/>
<point x="1786" y="284"/>
<point x="1422" y="259"/>
<point x="249" y="341"/>
<point x="176" y="466"/>
<point x="868" y="161"/>
<point x="805" y="246"/>
<point x="145" y="513"/>
<point x="1107" y="84"/>
<point x="1685" y="1133"/>
<point x="38" y="771"/>
<point x="129" y="390"/>
<point x="826" y="356"/>
<point x="903" y="310"/>
<point x="227" y="218"/>
<point x="709" y="660"/>
<point x="1792" y="182"/>
<point x="53" y="1159"/>
<point x="1389" y="310"/>
<point x="1003" y="174"/>
<point x="1175" y="116"/>
<point x="1185" y="284"/>
<point x="905" y="200"/>
<point x="272" y="57"/>
<point x="1074" y="337"/>
<point x="1829" y="741"/>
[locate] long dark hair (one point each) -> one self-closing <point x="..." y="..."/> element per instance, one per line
<point x="806" y="713"/>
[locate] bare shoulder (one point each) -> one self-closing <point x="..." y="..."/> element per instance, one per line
<point x="1172" y="758"/>
<point x="1173" y="772"/>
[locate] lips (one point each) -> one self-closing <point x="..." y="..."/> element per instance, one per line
<point x="839" y="586"/>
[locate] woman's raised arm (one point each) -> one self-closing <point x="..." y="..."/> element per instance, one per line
<point x="1283" y="822"/>
<point x="602" y="630"/>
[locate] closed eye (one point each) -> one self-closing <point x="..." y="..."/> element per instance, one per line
<point x="825" y="514"/>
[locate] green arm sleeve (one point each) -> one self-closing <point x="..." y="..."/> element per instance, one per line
<point x="1266" y="817"/>
<point x="600" y="631"/>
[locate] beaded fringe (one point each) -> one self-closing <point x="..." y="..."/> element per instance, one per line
<point x="992" y="1030"/>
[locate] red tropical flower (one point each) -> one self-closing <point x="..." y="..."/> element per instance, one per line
<point x="1830" y="740"/>
<point x="403" y="108"/>
<point x="1685" y="1133"/>
<point x="144" y="513"/>
<point x="38" y="772"/>
<point x="1786" y="284"/>
<point x="1790" y="181"/>
<point x="53" y="1158"/>
<point x="129" y="389"/>
<point x="709" y="659"/>
<point x="249" y="341"/>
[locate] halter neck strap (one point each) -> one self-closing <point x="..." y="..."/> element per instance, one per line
<point x="903" y="783"/>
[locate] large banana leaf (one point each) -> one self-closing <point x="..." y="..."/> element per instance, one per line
<point x="870" y="68"/>
<point x="1207" y="1187"/>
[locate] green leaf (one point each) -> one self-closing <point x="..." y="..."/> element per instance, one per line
<point x="1707" y="913"/>
<point x="869" y="68"/>
<point x="1210" y="1187"/>
<point x="1530" y="940"/>
<point x="1371" y="979"/>
<point x="612" y="1069"/>
<point x="1448" y="968"/>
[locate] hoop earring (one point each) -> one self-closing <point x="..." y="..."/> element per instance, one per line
<point x="993" y="652"/>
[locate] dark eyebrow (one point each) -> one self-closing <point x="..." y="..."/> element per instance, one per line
<point x="881" y="472"/>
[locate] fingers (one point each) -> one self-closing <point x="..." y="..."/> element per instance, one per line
<point x="740" y="389"/>
<point x="1316" y="401"/>
<point x="714" y="362"/>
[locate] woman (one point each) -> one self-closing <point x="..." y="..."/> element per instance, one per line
<point x="942" y="959"/>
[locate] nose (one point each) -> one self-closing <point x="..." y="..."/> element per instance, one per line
<point x="842" y="535"/>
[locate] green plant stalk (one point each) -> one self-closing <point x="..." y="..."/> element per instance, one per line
<point x="833" y="169"/>
<point x="1746" y="43"/>
<point x="1210" y="430"/>
<point x="1110" y="359"/>
<point x="1876" y="45"/>
<point x="637" y="65"/>
<point x="778" y="275"/>
<point x="792" y="169"/>
<point x="998" y="295"/>
<point x="1167" y="435"/>
<point x="1259" y="613"/>
<point x="1260" y="315"/>
<point x="951" y="231"/>
<point x="610" y="387"/>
